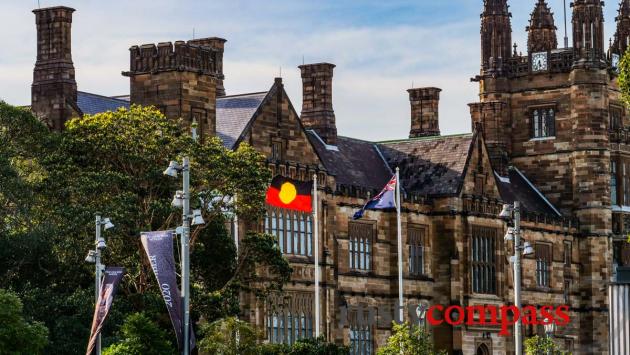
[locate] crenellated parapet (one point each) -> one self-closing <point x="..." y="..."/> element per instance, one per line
<point x="166" y="56"/>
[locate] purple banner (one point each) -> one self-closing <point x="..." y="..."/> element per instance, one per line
<point x="109" y="285"/>
<point x="159" y="249"/>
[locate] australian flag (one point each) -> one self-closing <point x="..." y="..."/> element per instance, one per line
<point x="384" y="200"/>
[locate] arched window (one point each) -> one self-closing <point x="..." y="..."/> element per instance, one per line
<point x="483" y="350"/>
<point x="543" y="122"/>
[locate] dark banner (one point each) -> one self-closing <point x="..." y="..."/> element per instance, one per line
<point x="109" y="285"/>
<point x="159" y="249"/>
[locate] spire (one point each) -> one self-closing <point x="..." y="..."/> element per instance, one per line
<point x="495" y="7"/>
<point x="496" y="35"/>
<point x="622" y="35"/>
<point x="542" y="29"/>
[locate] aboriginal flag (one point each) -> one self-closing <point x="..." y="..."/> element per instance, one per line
<point x="290" y="194"/>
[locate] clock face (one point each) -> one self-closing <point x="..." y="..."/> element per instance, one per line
<point x="615" y="61"/>
<point x="539" y="61"/>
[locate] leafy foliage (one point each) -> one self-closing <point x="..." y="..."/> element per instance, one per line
<point x="542" y="346"/>
<point x="408" y="340"/>
<point x="624" y="78"/>
<point x="231" y="336"/>
<point x="141" y="336"/>
<point x="52" y="184"/>
<point x="17" y="336"/>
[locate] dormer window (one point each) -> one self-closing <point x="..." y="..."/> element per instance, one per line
<point x="544" y="122"/>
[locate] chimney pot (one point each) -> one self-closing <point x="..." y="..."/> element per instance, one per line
<point x="424" y="112"/>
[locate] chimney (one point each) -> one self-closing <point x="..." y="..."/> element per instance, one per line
<point x="54" y="89"/>
<point x="317" y="108"/>
<point x="425" y="120"/>
<point x="217" y="45"/>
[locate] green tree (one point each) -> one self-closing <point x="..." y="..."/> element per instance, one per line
<point x="408" y="340"/>
<point x="141" y="336"/>
<point x="319" y="346"/>
<point x="624" y="78"/>
<point x="542" y="346"/>
<point x="17" y="336"/>
<point x="51" y="184"/>
<point x="228" y="336"/>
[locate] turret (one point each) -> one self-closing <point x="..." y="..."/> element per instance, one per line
<point x="179" y="79"/>
<point x="622" y="35"/>
<point x="588" y="32"/>
<point x="541" y="32"/>
<point x="496" y="35"/>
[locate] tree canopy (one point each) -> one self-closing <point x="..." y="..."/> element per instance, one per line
<point x="17" y="336"/>
<point x="54" y="183"/>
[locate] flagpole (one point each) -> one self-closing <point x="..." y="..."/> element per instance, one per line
<point x="400" y="249"/>
<point x="316" y="251"/>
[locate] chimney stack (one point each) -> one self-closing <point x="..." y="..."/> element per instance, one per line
<point x="317" y="107"/>
<point x="424" y="112"/>
<point x="54" y="89"/>
<point x="217" y="45"/>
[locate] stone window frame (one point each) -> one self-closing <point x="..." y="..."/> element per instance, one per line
<point x="544" y="264"/>
<point x="417" y="246"/>
<point x="484" y="260"/>
<point x="289" y="318"/>
<point x="281" y="222"/>
<point x="278" y="149"/>
<point x="614" y="182"/>
<point x="612" y="123"/>
<point x="360" y="334"/>
<point x="483" y="342"/>
<point x="534" y="123"/>
<point x="199" y="115"/>
<point x="361" y="260"/>
<point x="567" y="257"/>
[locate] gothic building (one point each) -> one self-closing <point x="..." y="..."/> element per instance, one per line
<point x="549" y="130"/>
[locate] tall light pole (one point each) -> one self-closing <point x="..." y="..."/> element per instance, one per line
<point x="514" y="234"/>
<point x="182" y="199"/>
<point x="94" y="256"/>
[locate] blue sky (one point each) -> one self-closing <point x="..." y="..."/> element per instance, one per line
<point x="380" y="49"/>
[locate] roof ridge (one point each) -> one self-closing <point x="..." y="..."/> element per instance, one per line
<point x="245" y="94"/>
<point x="432" y="138"/>
<point x="103" y="96"/>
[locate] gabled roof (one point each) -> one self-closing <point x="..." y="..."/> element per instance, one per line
<point x="432" y="166"/>
<point x="516" y="186"/>
<point x="91" y="104"/>
<point x="234" y="114"/>
<point x="352" y="161"/>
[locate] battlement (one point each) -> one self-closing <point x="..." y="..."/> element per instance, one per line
<point x="166" y="56"/>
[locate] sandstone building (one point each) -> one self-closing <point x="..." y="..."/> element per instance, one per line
<point x="549" y="130"/>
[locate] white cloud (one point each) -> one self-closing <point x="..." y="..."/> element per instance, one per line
<point x="377" y="58"/>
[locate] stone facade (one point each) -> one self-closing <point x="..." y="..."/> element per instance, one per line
<point x="549" y="130"/>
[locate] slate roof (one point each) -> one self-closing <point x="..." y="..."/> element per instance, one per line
<point x="432" y="166"/>
<point x="91" y="104"/>
<point x="234" y="114"/>
<point x="516" y="186"/>
<point x="353" y="162"/>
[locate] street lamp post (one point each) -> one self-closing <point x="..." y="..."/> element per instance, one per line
<point x="94" y="256"/>
<point x="182" y="199"/>
<point x="514" y="234"/>
<point x="550" y="329"/>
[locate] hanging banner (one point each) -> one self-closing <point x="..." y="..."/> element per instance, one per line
<point x="109" y="285"/>
<point x="159" y="249"/>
